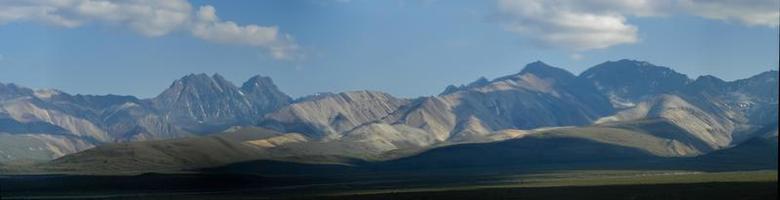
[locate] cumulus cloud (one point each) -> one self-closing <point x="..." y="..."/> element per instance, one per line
<point x="580" y="25"/>
<point x="567" y="24"/>
<point x="209" y="27"/>
<point x="150" y="18"/>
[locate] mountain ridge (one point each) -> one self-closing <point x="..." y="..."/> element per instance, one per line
<point x="91" y="120"/>
<point x="707" y="114"/>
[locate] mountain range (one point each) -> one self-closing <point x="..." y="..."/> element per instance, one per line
<point x="614" y="111"/>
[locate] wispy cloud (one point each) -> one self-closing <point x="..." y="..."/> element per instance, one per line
<point x="750" y="12"/>
<point x="580" y="25"/>
<point x="152" y="18"/>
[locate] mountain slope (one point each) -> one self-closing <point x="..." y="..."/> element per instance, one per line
<point x="717" y="112"/>
<point x="198" y="101"/>
<point x="538" y="96"/>
<point x="373" y="123"/>
<point x="330" y="116"/>
<point x="628" y="146"/>
<point x="576" y="118"/>
<point x="627" y="81"/>
<point x="46" y="124"/>
<point x="173" y="154"/>
<point x="263" y="94"/>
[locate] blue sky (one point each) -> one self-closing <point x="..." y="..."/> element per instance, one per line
<point x="408" y="48"/>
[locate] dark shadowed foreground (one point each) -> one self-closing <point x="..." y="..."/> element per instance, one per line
<point x="663" y="191"/>
<point x="608" y="184"/>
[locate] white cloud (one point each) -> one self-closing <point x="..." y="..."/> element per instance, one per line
<point x="580" y="25"/>
<point x="750" y="12"/>
<point x="209" y="27"/>
<point x="567" y="24"/>
<point x="150" y="18"/>
<point x="40" y="11"/>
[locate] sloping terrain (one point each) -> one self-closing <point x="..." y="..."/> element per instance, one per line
<point x="332" y="115"/>
<point x="541" y="115"/>
<point x="625" y="81"/>
<point x="208" y="104"/>
<point x="45" y="124"/>
<point x="759" y="152"/>
<point x="629" y="141"/>
<point x="167" y="155"/>
<point x="538" y="96"/>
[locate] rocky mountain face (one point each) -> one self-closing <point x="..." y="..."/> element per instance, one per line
<point x="629" y="105"/>
<point x="625" y="82"/>
<point x="199" y="98"/>
<point x="717" y="112"/>
<point x="211" y="103"/>
<point x="332" y="115"/>
<point x="538" y="96"/>
<point x="374" y="122"/>
<point x="263" y="95"/>
<point x="46" y="124"/>
<point x="742" y="105"/>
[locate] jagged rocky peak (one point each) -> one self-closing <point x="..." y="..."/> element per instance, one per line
<point x="196" y="86"/>
<point x="449" y="90"/>
<point x="263" y="85"/>
<point x="482" y="81"/>
<point x="222" y="82"/>
<point x="193" y="79"/>
<point x="264" y="95"/>
<point x="203" y="99"/>
<point x="631" y="80"/>
<point x="199" y="98"/>
<point x="258" y="82"/>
